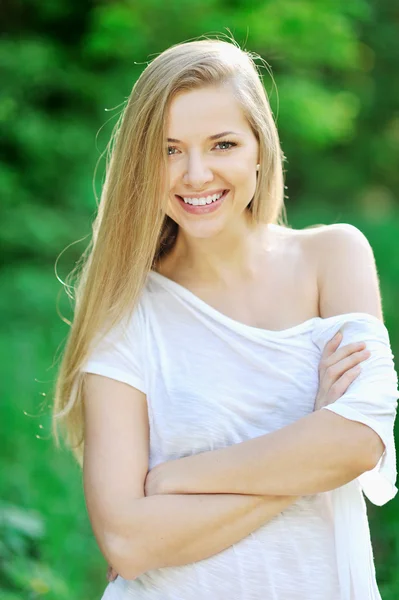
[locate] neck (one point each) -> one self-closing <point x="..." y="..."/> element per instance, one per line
<point x="227" y="257"/>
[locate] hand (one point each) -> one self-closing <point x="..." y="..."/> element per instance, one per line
<point x="338" y="368"/>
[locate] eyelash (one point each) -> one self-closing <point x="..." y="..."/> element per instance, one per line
<point x="232" y="145"/>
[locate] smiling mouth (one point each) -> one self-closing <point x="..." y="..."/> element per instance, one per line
<point x="204" y="205"/>
<point x="204" y="200"/>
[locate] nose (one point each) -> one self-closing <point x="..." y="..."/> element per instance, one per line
<point x="197" y="173"/>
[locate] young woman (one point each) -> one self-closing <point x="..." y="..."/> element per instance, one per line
<point x="225" y="431"/>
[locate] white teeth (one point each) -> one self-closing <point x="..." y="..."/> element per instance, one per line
<point x="203" y="201"/>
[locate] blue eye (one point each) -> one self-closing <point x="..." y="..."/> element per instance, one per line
<point x="229" y="144"/>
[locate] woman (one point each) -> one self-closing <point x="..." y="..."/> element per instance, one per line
<point x="226" y="433"/>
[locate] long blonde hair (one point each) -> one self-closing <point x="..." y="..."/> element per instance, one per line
<point x="131" y="231"/>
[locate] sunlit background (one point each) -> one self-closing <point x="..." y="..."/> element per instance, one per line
<point x="68" y="68"/>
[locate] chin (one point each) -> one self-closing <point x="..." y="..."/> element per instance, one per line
<point x="202" y="230"/>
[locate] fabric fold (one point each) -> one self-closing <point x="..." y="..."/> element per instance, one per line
<point x="370" y="399"/>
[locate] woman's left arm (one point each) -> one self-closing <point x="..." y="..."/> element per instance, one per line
<point x="321" y="451"/>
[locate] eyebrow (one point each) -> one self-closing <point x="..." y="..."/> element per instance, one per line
<point x="211" y="137"/>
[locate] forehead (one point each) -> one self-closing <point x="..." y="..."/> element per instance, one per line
<point x="205" y="111"/>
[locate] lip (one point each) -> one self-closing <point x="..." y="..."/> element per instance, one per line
<point x="202" y="210"/>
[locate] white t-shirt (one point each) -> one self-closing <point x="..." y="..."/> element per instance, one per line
<point x="211" y="382"/>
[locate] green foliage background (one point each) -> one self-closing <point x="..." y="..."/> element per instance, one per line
<point x="67" y="69"/>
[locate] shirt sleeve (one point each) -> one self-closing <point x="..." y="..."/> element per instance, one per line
<point x="120" y="353"/>
<point x="372" y="397"/>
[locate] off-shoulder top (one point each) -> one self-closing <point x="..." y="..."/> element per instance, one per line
<point x="210" y="382"/>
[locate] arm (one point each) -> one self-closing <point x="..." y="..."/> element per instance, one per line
<point x="317" y="453"/>
<point x="173" y="530"/>
<point x="321" y="451"/>
<point x="137" y="533"/>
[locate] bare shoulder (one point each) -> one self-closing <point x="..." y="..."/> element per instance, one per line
<point x="314" y="235"/>
<point x="337" y="232"/>
<point x="291" y="235"/>
<point x="300" y="241"/>
<point x="297" y="245"/>
<point x="346" y="269"/>
<point x="339" y="241"/>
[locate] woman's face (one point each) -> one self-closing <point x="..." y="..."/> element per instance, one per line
<point x="212" y="155"/>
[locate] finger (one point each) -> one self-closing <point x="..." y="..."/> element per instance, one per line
<point x="350" y="361"/>
<point x="347" y="350"/>
<point x="334" y="371"/>
<point x="340" y="354"/>
<point x="342" y="384"/>
<point x="332" y="345"/>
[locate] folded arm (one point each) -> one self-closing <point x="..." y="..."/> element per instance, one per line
<point x="173" y="530"/>
<point x="135" y="531"/>
<point x="323" y="450"/>
<point x="317" y="453"/>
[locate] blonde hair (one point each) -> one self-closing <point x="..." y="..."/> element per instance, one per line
<point x="131" y="231"/>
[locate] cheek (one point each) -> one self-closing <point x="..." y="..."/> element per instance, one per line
<point x="175" y="175"/>
<point x="241" y="165"/>
<point x="243" y="174"/>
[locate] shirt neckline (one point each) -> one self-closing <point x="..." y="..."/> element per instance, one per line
<point x="193" y="299"/>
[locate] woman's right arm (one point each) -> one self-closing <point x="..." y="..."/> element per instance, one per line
<point x="137" y="533"/>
